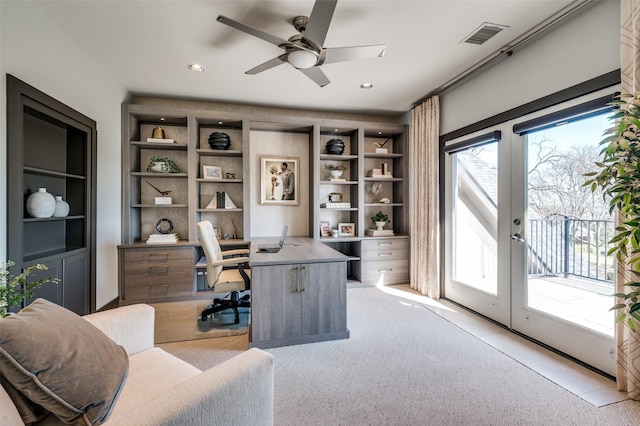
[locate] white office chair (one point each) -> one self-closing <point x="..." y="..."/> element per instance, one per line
<point x="224" y="273"/>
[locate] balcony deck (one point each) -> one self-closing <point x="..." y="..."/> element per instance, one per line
<point x="580" y="301"/>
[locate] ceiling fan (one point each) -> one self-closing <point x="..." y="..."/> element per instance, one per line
<point x="305" y="51"/>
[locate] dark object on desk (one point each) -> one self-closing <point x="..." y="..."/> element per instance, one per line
<point x="274" y="248"/>
<point x="224" y="273"/>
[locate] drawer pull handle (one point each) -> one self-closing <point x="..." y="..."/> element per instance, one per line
<point x="385" y="254"/>
<point x="158" y="269"/>
<point x="384" y="244"/>
<point x="156" y="256"/>
<point x="385" y="270"/>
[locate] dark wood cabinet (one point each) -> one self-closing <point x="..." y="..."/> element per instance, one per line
<point x="156" y="273"/>
<point x="52" y="146"/>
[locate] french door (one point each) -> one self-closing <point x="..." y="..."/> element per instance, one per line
<point x="525" y="243"/>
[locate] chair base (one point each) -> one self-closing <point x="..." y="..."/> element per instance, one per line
<point x="233" y="302"/>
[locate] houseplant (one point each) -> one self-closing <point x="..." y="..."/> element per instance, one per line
<point x="619" y="179"/>
<point x="161" y="164"/>
<point x="14" y="289"/>
<point x="335" y="170"/>
<point x="380" y="219"/>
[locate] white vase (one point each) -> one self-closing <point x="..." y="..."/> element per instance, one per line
<point x="41" y="204"/>
<point x="380" y="225"/>
<point x="159" y="167"/>
<point x="335" y="173"/>
<point x="62" y="207"/>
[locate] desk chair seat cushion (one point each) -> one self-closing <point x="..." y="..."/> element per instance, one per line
<point x="230" y="280"/>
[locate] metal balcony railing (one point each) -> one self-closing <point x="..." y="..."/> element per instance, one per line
<point x="568" y="246"/>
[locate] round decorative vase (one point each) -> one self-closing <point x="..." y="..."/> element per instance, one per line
<point x="380" y="225"/>
<point x="335" y="173"/>
<point x="62" y="207"/>
<point x="41" y="204"/>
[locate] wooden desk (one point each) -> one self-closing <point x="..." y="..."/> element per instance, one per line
<point x="298" y="295"/>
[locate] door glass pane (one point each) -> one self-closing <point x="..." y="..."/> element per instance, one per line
<point x="569" y="274"/>
<point x="475" y="220"/>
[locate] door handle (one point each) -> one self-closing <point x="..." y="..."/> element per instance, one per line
<point x="517" y="237"/>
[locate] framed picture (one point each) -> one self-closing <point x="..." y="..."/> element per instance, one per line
<point x="279" y="180"/>
<point x="346" y="229"/>
<point x="217" y="231"/>
<point x="212" y="172"/>
<point x="325" y="228"/>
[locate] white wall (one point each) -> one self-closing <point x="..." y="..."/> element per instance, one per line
<point x="35" y="50"/>
<point x="267" y="220"/>
<point x="582" y="48"/>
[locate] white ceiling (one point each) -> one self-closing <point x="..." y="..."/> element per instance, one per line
<point x="147" y="45"/>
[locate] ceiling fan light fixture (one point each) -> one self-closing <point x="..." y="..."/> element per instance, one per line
<point x="196" y="67"/>
<point x="302" y="59"/>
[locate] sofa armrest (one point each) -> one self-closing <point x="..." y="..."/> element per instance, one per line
<point x="238" y="391"/>
<point x="129" y="326"/>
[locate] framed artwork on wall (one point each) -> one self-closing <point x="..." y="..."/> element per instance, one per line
<point x="279" y="179"/>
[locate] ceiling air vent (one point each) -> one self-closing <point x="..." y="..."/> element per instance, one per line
<point x="483" y="33"/>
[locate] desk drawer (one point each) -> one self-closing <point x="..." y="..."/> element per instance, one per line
<point x="391" y="272"/>
<point x="384" y="249"/>
<point x="158" y="269"/>
<point x="157" y="254"/>
<point x="385" y="254"/>
<point x="384" y="244"/>
<point x="152" y="273"/>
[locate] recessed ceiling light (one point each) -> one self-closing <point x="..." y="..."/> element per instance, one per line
<point x="161" y="118"/>
<point x="196" y="67"/>
<point x="366" y="85"/>
<point x="220" y="123"/>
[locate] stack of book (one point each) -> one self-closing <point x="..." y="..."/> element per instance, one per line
<point x="160" y="140"/>
<point x="162" y="239"/>
<point x="346" y="205"/>
<point x="380" y="233"/>
<point x="221" y="201"/>
<point x="382" y="172"/>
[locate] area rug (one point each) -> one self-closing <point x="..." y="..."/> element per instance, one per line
<point x="180" y="321"/>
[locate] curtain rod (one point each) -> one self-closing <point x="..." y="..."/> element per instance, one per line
<point x="507" y="50"/>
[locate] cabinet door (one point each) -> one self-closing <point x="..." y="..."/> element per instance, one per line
<point x="75" y="275"/>
<point x="50" y="291"/>
<point x="275" y="303"/>
<point x="324" y="298"/>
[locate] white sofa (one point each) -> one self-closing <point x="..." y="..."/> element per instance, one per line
<point x="161" y="389"/>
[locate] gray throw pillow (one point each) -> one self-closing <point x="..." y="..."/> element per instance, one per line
<point x="61" y="364"/>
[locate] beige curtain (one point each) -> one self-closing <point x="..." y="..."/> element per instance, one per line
<point x="423" y="190"/>
<point x="628" y="368"/>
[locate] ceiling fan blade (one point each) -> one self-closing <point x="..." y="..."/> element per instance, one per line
<point x="342" y="54"/>
<point x="319" y="21"/>
<point x="279" y="60"/>
<point x="280" y="42"/>
<point x="316" y="74"/>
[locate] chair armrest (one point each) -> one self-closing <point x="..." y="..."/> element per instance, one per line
<point x="238" y="391"/>
<point x="235" y="252"/>
<point x="229" y="261"/>
<point x="130" y="326"/>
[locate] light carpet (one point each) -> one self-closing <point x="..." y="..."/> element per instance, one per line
<point x="180" y="321"/>
<point x="405" y="365"/>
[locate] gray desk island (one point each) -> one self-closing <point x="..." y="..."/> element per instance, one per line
<point x="298" y="295"/>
